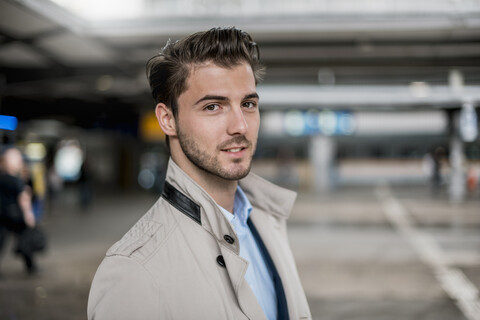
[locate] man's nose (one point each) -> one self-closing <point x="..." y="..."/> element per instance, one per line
<point x="237" y="122"/>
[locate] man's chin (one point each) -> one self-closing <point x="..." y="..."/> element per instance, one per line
<point x="236" y="173"/>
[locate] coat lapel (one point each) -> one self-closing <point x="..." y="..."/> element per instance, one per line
<point x="236" y="267"/>
<point x="269" y="230"/>
<point x="282" y="309"/>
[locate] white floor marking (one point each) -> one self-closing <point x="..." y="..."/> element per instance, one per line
<point x="452" y="279"/>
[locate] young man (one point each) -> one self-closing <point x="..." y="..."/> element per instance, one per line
<point x="214" y="246"/>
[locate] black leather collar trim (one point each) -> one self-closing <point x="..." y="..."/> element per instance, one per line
<point x="181" y="202"/>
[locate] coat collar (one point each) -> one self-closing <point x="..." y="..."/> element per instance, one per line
<point x="191" y="199"/>
<point x="186" y="195"/>
<point x="268" y="196"/>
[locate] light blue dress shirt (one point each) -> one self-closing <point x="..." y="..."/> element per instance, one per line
<point x="258" y="276"/>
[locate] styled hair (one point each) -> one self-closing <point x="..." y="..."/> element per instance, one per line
<point x="168" y="71"/>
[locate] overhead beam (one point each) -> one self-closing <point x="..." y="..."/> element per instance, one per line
<point x="364" y="97"/>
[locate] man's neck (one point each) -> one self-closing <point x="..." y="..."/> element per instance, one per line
<point x="223" y="192"/>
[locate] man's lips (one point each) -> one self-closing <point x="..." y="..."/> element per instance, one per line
<point x="234" y="149"/>
<point x="235" y="145"/>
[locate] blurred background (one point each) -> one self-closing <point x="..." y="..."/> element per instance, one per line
<point x="369" y="110"/>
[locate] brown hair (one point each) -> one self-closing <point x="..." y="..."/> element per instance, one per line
<point x="168" y="71"/>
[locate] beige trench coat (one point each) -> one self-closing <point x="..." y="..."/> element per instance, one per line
<point x="181" y="259"/>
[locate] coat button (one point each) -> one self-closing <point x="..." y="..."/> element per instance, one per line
<point x="229" y="239"/>
<point x="220" y="261"/>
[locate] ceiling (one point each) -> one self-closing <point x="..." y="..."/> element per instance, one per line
<point x="58" y="58"/>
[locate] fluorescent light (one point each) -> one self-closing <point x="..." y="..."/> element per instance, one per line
<point x="104" y="9"/>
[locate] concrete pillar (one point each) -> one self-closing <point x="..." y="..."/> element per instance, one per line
<point x="322" y="157"/>
<point x="457" y="188"/>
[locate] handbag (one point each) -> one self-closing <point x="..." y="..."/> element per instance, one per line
<point x="32" y="240"/>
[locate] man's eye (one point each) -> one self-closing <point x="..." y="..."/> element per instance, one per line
<point x="249" y="105"/>
<point x="212" y="107"/>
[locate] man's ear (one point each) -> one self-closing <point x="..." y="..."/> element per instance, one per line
<point x="166" y="119"/>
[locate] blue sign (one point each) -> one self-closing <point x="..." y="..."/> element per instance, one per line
<point x="8" y="123"/>
<point x="314" y="122"/>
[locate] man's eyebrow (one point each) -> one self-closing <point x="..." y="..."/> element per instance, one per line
<point x="209" y="97"/>
<point x="252" y="96"/>
<point x="222" y="98"/>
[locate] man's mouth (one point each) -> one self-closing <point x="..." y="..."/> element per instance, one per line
<point x="237" y="149"/>
<point x="235" y="145"/>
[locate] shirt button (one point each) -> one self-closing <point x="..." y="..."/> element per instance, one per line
<point x="229" y="239"/>
<point x="221" y="261"/>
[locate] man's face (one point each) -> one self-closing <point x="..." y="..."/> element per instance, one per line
<point x="218" y="120"/>
<point x="13" y="162"/>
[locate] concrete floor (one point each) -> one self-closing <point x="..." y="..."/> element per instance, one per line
<point x="355" y="259"/>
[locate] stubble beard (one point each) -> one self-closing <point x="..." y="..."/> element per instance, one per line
<point x="210" y="162"/>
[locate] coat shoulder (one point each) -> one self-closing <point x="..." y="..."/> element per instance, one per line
<point x="145" y="236"/>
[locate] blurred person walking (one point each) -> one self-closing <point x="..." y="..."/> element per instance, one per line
<point x="85" y="185"/>
<point x="214" y="246"/>
<point x="16" y="213"/>
<point x="438" y="156"/>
